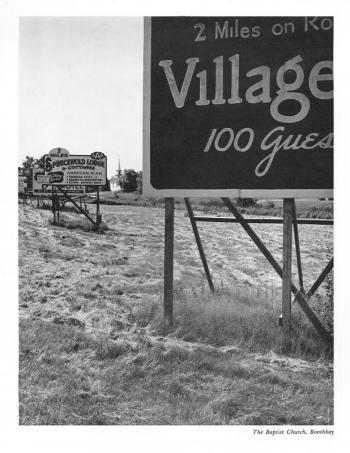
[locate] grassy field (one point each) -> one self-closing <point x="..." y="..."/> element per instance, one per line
<point x="94" y="349"/>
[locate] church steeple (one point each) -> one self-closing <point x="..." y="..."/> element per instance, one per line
<point x="119" y="169"/>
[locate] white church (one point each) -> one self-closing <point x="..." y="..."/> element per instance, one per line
<point x="115" y="180"/>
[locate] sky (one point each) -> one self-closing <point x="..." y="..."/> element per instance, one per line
<point x="80" y="87"/>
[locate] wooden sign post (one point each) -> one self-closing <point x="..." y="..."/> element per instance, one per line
<point x="53" y="201"/>
<point x="98" y="213"/>
<point x="168" y="261"/>
<point x="287" y="272"/>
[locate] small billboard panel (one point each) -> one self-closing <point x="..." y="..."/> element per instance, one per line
<point x="85" y="170"/>
<point x="40" y="188"/>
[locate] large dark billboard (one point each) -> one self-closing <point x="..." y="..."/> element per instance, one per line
<point x="239" y="106"/>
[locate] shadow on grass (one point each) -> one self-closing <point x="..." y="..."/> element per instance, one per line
<point x="74" y="223"/>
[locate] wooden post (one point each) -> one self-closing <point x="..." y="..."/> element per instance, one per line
<point x="287" y="272"/>
<point x="53" y="201"/>
<point x="168" y="261"/>
<point x="98" y="216"/>
<point x="57" y="204"/>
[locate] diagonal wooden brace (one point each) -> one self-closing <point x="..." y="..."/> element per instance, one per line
<point x="199" y="244"/>
<point x="297" y="247"/>
<point x="300" y="297"/>
<point x="317" y="283"/>
<point x="320" y="279"/>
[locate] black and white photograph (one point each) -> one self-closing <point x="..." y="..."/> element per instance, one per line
<point x="175" y="225"/>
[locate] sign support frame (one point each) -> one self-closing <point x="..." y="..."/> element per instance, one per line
<point x="69" y="198"/>
<point x="290" y="223"/>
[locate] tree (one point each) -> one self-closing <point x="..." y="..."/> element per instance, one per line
<point x="107" y="186"/>
<point x="128" y="180"/>
<point x="27" y="165"/>
<point x="139" y="182"/>
<point x="41" y="162"/>
<point x="245" y="202"/>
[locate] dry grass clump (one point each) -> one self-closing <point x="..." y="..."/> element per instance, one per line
<point x="323" y="212"/>
<point x="107" y="349"/>
<point x="227" y="319"/>
<point x="74" y="223"/>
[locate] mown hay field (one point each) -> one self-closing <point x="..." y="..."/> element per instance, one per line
<point x="94" y="350"/>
